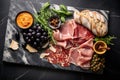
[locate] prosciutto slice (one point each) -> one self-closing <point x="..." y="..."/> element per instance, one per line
<point x="70" y="32"/>
<point x="74" y="46"/>
<point x="66" y="31"/>
<point x="82" y="55"/>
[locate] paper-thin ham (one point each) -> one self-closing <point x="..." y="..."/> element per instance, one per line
<point x="82" y="54"/>
<point x="71" y="31"/>
<point x="73" y="45"/>
<point x="66" y="31"/>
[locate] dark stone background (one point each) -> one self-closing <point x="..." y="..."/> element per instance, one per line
<point x="10" y="71"/>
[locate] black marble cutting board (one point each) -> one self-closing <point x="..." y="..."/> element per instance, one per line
<point x="22" y="56"/>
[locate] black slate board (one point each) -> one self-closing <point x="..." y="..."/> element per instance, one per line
<point x="22" y="56"/>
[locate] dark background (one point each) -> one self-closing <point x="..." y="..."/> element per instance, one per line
<point x="10" y="71"/>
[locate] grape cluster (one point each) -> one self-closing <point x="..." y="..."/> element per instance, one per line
<point x="36" y="36"/>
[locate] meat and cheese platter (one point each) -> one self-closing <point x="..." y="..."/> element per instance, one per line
<point x="57" y="36"/>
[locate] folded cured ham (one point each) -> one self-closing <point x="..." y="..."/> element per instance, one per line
<point x="71" y="33"/>
<point x="74" y="46"/>
<point x="92" y="20"/>
<point x="82" y="55"/>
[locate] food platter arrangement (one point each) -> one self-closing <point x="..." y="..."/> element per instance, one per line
<point x="57" y="36"/>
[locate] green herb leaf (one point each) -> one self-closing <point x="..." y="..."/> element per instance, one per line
<point x="107" y="39"/>
<point x="45" y="6"/>
<point x="63" y="7"/>
<point x="62" y="18"/>
<point x="62" y="12"/>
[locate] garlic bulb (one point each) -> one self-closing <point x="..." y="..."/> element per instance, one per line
<point x="92" y="20"/>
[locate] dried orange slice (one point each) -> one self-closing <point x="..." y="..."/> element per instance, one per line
<point x="100" y="47"/>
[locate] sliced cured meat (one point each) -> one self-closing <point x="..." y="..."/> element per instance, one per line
<point x="83" y="32"/>
<point x="61" y="59"/>
<point x="58" y="57"/>
<point x="62" y="43"/>
<point x="82" y="55"/>
<point x="66" y="31"/>
<point x="73" y="45"/>
<point x="77" y="41"/>
<point x="71" y="30"/>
